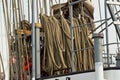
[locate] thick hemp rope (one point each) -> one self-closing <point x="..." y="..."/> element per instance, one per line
<point x="57" y="44"/>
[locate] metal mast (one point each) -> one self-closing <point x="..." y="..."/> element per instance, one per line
<point x="33" y="42"/>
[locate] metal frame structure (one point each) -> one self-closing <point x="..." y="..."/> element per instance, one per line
<point x="113" y="17"/>
<point x="98" y="57"/>
<point x="109" y="4"/>
<point x="71" y="31"/>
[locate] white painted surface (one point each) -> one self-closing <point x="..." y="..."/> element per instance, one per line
<point x="108" y="75"/>
<point x="33" y="78"/>
<point x="112" y="75"/>
<point x="84" y="76"/>
<point x="99" y="71"/>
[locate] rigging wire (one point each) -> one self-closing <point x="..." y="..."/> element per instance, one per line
<point x="40" y="5"/>
<point x="7" y="16"/>
<point x="50" y="4"/>
<point x="7" y="23"/>
<point x="116" y="32"/>
<point x="37" y="11"/>
<point x="29" y="13"/>
<point x="105" y="27"/>
<point x="22" y="6"/>
<point x="117" y="42"/>
<point x="96" y="22"/>
<point x="12" y="68"/>
<point x="1" y="60"/>
<point x="14" y="45"/>
<point x="99" y="4"/>
<point x="17" y="19"/>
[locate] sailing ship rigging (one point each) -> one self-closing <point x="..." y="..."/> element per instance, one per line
<point x="51" y="38"/>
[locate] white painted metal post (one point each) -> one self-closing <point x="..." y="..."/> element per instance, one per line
<point x="98" y="56"/>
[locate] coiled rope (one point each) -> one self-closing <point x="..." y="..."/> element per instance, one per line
<point x="57" y="45"/>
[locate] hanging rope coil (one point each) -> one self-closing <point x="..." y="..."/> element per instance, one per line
<point x="57" y="39"/>
<point x="57" y="45"/>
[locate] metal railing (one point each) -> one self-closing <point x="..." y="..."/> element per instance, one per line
<point x="112" y="59"/>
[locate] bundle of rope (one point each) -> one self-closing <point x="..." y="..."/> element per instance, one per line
<point x="57" y="45"/>
<point x="25" y="54"/>
<point x="20" y="57"/>
<point x="53" y="45"/>
<point x="85" y="7"/>
<point x="65" y="28"/>
<point x="25" y="25"/>
<point x="85" y="45"/>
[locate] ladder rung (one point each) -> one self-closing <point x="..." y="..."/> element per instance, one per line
<point x="116" y="22"/>
<point x="113" y="2"/>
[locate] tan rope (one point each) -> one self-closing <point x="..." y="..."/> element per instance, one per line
<point x="57" y="45"/>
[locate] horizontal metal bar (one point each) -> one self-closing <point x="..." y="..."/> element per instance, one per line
<point x="109" y="54"/>
<point x="83" y="49"/>
<point x="113" y="2"/>
<point x="97" y="21"/>
<point x="105" y="27"/>
<point x="114" y="18"/>
<point x="110" y="44"/>
<point x="73" y="3"/>
<point x="116" y="22"/>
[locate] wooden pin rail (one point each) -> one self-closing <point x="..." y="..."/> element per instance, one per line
<point x="25" y="32"/>
<point x="28" y="32"/>
<point x="21" y="32"/>
<point x="38" y="25"/>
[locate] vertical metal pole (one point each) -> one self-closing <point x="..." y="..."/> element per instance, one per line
<point x="29" y="10"/>
<point x="71" y="32"/>
<point x="118" y="59"/>
<point x="45" y="6"/>
<point x="98" y="56"/>
<point x="33" y="41"/>
<point x="72" y="37"/>
<point x="38" y="75"/>
<point x="107" y="38"/>
<point x="37" y="37"/>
